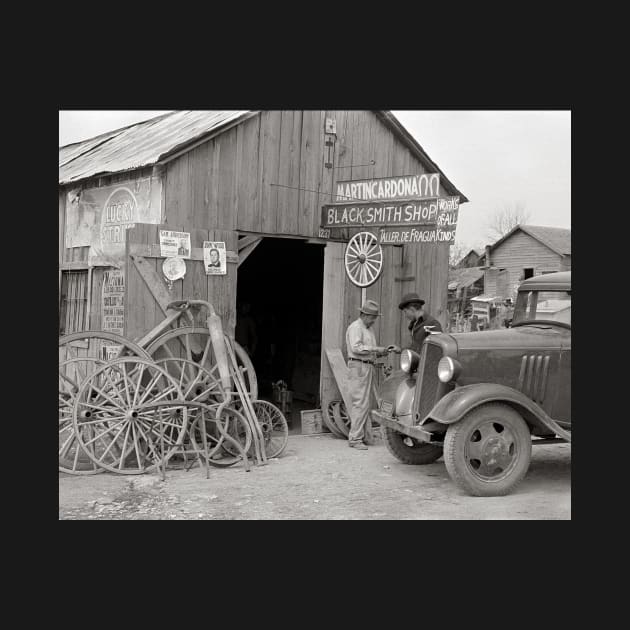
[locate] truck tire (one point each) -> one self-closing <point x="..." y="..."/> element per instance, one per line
<point x="487" y="453"/>
<point x="415" y="455"/>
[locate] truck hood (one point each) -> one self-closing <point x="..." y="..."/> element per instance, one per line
<point x="522" y="337"/>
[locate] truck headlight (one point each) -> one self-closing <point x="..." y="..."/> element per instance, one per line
<point x="409" y="361"/>
<point x="448" y="369"/>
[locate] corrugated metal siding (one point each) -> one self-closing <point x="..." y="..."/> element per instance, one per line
<point x="520" y="251"/>
<point x="141" y="145"/>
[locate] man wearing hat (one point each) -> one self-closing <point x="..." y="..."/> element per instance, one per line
<point x="362" y="351"/>
<point x="421" y="324"/>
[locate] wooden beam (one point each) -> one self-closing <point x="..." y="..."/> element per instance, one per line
<point x="341" y="373"/>
<point x="244" y="241"/>
<point x="244" y="253"/>
<point x="153" y="251"/>
<point x="154" y="283"/>
<point x="162" y="296"/>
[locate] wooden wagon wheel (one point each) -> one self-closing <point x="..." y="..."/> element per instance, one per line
<point x="72" y="373"/>
<point x="181" y="343"/>
<point x="341" y="417"/>
<point x="90" y="343"/>
<point x="196" y="382"/>
<point x="113" y="427"/>
<point x="222" y="452"/>
<point x="273" y="424"/>
<point x="364" y="259"/>
<point x="329" y="421"/>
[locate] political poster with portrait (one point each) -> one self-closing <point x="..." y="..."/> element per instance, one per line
<point x="214" y="258"/>
<point x="175" y="244"/>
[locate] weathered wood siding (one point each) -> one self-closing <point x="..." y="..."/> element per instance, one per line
<point x="520" y="251"/>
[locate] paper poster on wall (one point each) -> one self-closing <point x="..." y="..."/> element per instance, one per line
<point x="110" y="352"/>
<point x="112" y="303"/>
<point x="174" y="244"/>
<point x="214" y="258"/>
<point x="100" y="217"/>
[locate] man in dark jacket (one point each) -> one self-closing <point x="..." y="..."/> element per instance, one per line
<point x="421" y="324"/>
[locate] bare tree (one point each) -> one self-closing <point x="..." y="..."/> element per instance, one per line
<point x="458" y="250"/>
<point x="505" y="219"/>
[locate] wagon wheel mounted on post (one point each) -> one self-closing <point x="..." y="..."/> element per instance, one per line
<point x="117" y="421"/>
<point x="72" y="373"/>
<point x="363" y="259"/>
<point x="195" y="344"/>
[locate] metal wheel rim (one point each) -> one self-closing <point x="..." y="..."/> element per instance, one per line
<point x="274" y="426"/>
<point x="78" y="463"/>
<point x="363" y="259"/>
<point x="491" y="455"/>
<point x="116" y="393"/>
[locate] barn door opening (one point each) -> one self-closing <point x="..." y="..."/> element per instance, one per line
<point x="279" y="320"/>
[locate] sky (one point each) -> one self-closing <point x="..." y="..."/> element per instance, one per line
<point x="495" y="158"/>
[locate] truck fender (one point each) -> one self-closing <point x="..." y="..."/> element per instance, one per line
<point x="455" y="405"/>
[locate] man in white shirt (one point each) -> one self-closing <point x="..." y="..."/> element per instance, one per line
<point x="362" y="351"/>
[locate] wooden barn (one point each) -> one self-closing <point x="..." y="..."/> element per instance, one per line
<point x="256" y="181"/>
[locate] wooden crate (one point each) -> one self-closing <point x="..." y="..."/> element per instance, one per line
<point x="311" y="421"/>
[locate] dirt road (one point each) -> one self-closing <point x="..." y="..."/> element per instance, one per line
<point x="318" y="477"/>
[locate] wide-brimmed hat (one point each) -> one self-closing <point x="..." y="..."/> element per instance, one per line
<point x="410" y="298"/>
<point x="370" y="307"/>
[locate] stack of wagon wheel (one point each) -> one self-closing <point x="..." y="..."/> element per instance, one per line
<point x="135" y="412"/>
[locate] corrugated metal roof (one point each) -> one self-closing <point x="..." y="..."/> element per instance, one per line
<point x="555" y="238"/>
<point x="139" y="145"/>
<point x="464" y="277"/>
<point x="146" y="143"/>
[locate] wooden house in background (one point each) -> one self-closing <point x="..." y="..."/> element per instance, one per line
<point x="525" y="251"/>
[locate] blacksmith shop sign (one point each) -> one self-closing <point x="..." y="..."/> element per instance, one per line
<point x="431" y="220"/>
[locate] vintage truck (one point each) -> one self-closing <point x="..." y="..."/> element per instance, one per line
<point x="481" y="399"/>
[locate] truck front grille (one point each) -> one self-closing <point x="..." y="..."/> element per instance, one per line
<point x="429" y="390"/>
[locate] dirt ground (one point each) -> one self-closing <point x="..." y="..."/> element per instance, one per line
<point x="318" y="477"/>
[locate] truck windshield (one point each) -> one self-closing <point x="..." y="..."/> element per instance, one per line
<point x="544" y="306"/>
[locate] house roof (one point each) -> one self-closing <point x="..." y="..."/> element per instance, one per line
<point x="151" y="141"/>
<point x="464" y="277"/>
<point x="555" y="238"/>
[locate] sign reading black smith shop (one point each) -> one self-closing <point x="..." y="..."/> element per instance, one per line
<point x="411" y="212"/>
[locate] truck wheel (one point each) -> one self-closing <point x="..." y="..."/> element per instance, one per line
<point x="488" y="452"/>
<point x="418" y="453"/>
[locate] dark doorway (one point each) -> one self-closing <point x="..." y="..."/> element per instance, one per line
<point x="279" y="316"/>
